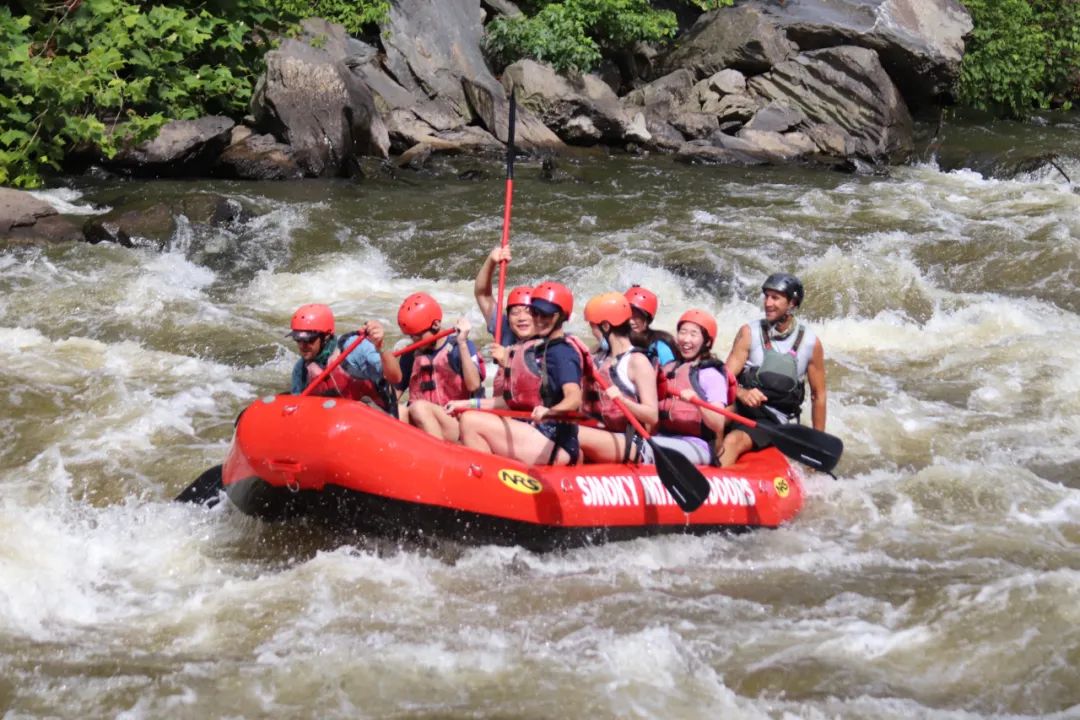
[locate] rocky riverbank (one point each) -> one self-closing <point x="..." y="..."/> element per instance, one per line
<point x="823" y="82"/>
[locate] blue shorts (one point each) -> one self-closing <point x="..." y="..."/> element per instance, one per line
<point x="565" y="437"/>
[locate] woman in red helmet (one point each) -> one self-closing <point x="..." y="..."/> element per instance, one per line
<point x="629" y="375"/>
<point x="684" y="427"/>
<point x="517" y="325"/>
<point x="368" y="373"/>
<point x="658" y="345"/>
<point x="436" y="374"/>
<point x="544" y="377"/>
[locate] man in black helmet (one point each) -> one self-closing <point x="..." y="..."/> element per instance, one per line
<point x="774" y="359"/>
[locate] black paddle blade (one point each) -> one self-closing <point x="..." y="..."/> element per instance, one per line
<point x="204" y="490"/>
<point x="682" y="479"/>
<point x="815" y="448"/>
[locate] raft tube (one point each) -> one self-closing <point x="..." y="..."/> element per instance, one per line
<point x="358" y="468"/>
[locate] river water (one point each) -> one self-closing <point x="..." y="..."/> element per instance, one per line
<point x="937" y="576"/>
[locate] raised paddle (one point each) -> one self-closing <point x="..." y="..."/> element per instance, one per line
<point x="206" y="487"/>
<point x="682" y="479"/>
<point x="506" y="217"/>
<point x="815" y="448"/>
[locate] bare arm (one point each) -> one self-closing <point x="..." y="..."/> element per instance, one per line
<point x="740" y="351"/>
<point x="469" y="371"/>
<point x="482" y="285"/>
<point x="815" y="375"/>
<point x="391" y="368"/>
<point x="645" y="409"/>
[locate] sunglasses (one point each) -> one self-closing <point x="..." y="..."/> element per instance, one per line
<point x="306" y="338"/>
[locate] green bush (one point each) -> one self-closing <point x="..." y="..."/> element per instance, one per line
<point x="100" y="72"/>
<point x="1022" y="55"/>
<point x="573" y="35"/>
<point x="355" y="15"/>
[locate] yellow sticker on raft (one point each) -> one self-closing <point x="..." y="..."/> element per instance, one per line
<point x="782" y="487"/>
<point x="519" y="481"/>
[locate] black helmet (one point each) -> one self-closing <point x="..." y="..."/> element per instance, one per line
<point x="787" y="285"/>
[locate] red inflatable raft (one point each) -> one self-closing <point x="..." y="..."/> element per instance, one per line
<point x="358" y="467"/>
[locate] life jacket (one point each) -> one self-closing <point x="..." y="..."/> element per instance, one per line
<point x="339" y="383"/>
<point x="525" y="379"/>
<point x="435" y="380"/>
<point x="678" y="417"/>
<point x="597" y="403"/>
<point x="779" y="375"/>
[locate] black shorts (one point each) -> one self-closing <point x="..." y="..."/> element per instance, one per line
<point x="565" y="437"/>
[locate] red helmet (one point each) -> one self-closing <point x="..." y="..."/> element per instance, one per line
<point x="521" y="295"/>
<point x="549" y="296"/>
<point x="702" y="319"/>
<point x="312" y="318"/>
<point x="644" y="300"/>
<point x="418" y="313"/>
<point x="609" y="307"/>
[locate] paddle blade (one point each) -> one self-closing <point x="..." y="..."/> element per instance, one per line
<point x="683" y="480"/>
<point x="815" y="448"/>
<point x="204" y="490"/>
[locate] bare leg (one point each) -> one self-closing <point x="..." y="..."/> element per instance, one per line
<point x="601" y="446"/>
<point x="508" y="438"/>
<point x="425" y="415"/>
<point x="735" y="444"/>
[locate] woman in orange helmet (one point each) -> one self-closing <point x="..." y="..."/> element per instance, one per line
<point x="630" y="377"/>
<point x="517" y="325"/>
<point x="434" y="375"/>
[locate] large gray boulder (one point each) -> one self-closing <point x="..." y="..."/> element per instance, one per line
<point x="741" y="38"/>
<point x="24" y="219"/>
<point x="920" y="42"/>
<point x="434" y="50"/>
<point x="258" y="157"/>
<point x="311" y="100"/>
<point x="180" y="148"/>
<point x="844" y="88"/>
<point x="581" y="109"/>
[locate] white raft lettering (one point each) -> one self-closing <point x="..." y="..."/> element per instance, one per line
<point x="655" y="492"/>
<point x="607" y="490"/>
<point x="731" y="491"/>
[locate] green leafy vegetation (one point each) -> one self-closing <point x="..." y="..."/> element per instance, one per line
<point x="1023" y="55"/>
<point x="356" y="16"/>
<point x="573" y="35"/>
<point x="95" y="73"/>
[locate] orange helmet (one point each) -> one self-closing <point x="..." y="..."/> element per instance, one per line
<point x="549" y="296"/>
<point x="702" y="319"/>
<point x="609" y="307"/>
<point x="310" y="320"/>
<point x="644" y="300"/>
<point x="521" y="295"/>
<point x="418" y="313"/>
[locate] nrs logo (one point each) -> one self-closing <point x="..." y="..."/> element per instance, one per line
<point x="780" y="484"/>
<point x="519" y="481"/>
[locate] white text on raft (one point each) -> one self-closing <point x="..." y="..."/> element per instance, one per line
<point x="621" y="490"/>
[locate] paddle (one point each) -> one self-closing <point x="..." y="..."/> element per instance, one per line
<point x="527" y="415"/>
<point x="682" y="479"/>
<point x="815" y="448"/>
<point x="506" y="217"/>
<point x="205" y="488"/>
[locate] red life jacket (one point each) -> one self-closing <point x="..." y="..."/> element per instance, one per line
<point x="596" y="401"/>
<point x="678" y="417"/>
<point x="339" y="383"/>
<point x="434" y="378"/>
<point x="524" y="381"/>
